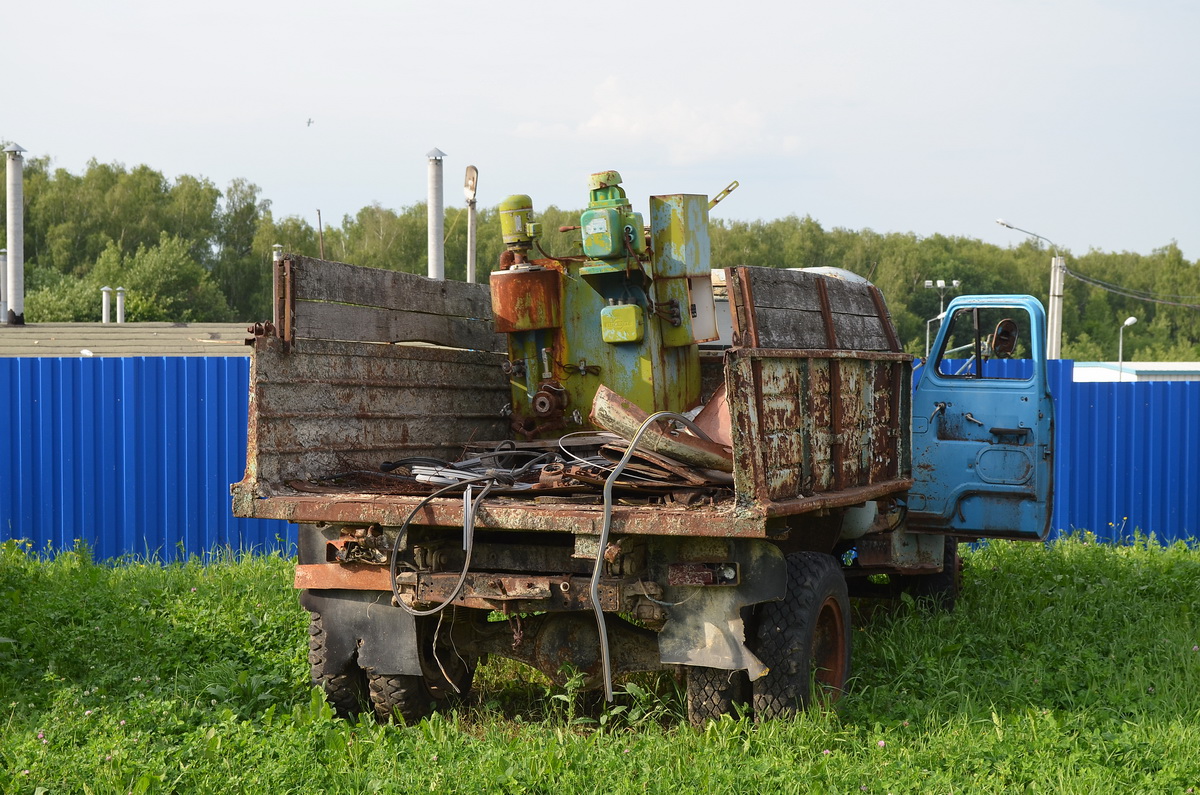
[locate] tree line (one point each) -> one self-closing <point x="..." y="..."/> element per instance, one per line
<point x="188" y="251"/>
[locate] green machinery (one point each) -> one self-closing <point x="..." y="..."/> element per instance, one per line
<point x="627" y="314"/>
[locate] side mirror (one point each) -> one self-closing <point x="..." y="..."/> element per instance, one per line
<point x="1004" y="338"/>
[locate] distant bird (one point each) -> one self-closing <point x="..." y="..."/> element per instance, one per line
<point x="309" y="123"/>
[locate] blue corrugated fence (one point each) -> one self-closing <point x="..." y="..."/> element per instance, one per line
<point x="135" y="455"/>
<point x="131" y="455"/>
<point x="1128" y="458"/>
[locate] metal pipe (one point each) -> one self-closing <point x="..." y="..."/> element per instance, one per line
<point x="3" y="284"/>
<point x="472" y="240"/>
<point x="1129" y="321"/>
<point x="469" y="187"/>
<point x="120" y="304"/>
<point x="437" y="218"/>
<point x="606" y="529"/>
<point x="928" y="324"/>
<point x="320" y="234"/>
<point x="105" y="303"/>
<point x="15" y="313"/>
<point x="276" y="258"/>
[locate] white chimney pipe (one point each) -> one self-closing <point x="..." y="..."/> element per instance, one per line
<point x="120" y="304"/>
<point x="105" y="303"/>
<point x="3" y="284"/>
<point x="16" y="237"/>
<point x="437" y="217"/>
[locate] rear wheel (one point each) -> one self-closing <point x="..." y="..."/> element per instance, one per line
<point x="804" y="639"/>
<point x="346" y="692"/>
<point x="405" y="699"/>
<point x="713" y="692"/>
<point x="446" y="675"/>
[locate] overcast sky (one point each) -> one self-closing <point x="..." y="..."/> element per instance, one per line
<point x="1076" y="120"/>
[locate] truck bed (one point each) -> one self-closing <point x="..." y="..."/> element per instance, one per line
<point x="362" y="366"/>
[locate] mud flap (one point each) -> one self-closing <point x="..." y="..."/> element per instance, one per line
<point x="366" y="625"/>
<point x="705" y="625"/>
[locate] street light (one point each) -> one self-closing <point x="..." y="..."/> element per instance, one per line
<point x="1129" y="321"/>
<point x="1058" y="267"/>
<point x="941" y="286"/>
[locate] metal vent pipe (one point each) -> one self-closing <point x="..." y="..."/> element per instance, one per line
<point x="437" y="217"/>
<point x="105" y="303"/>
<point x="120" y="304"/>
<point x="3" y="284"/>
<point x="15" y="314"/>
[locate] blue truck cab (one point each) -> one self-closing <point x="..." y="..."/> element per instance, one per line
<point x="983" y="423"/>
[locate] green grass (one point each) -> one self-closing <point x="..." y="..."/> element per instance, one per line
<point x="1068" y="668"/>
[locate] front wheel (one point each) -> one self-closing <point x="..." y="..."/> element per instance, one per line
<point x="804" y="639"/>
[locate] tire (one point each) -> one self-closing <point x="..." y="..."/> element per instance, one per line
<point x="937" y="591"/>
<point x="804" y="639"/>
<point x="346" y="692"/>
<point x="713" y="692"/>
<point x="408" y="699"/>
<point x="404" y="699"/>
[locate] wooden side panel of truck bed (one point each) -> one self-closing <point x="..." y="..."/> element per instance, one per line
<point x="364" y="366"/>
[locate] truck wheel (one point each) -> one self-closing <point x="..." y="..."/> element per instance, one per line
<point x="405" y="699"/>
<point x="938" y="591"/>
<point x="345" y="692"/>
<point x="713" y="692"/>
<point x="804" y="639"/>
<point x="408" y="699"/>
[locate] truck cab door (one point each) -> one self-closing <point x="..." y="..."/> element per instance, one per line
<point x="982" y="425"/>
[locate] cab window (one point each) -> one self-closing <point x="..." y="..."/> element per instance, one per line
<point x="987" y="342"/>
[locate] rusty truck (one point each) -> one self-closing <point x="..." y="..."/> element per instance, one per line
<point x="626" y="460"/>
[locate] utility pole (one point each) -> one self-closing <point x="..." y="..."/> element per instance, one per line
<point x="1058" y="268"/>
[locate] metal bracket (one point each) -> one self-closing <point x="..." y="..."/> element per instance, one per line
<point x="704" y="625"/>
<point x="285" y="302"/>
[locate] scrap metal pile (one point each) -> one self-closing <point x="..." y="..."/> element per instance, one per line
<point x="673" y="459"/>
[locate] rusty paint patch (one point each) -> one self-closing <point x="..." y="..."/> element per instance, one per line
<point x="723" y="573"/>
<point x="907" y="553"/>
<point x="350" y="576"/>
<point x="527" y="299"/>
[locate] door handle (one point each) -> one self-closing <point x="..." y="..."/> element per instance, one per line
<point x="1011" y="431"/>
<point x="971" y="418"/>
<point x="939" y="408"/>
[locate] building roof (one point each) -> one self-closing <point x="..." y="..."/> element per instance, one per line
<point x="1137" y="371"/>
<point x="124" y="339"/>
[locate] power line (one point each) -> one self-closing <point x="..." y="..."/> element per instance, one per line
<point x="1146" y="293"/>
<point x="1129" y="292"/>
